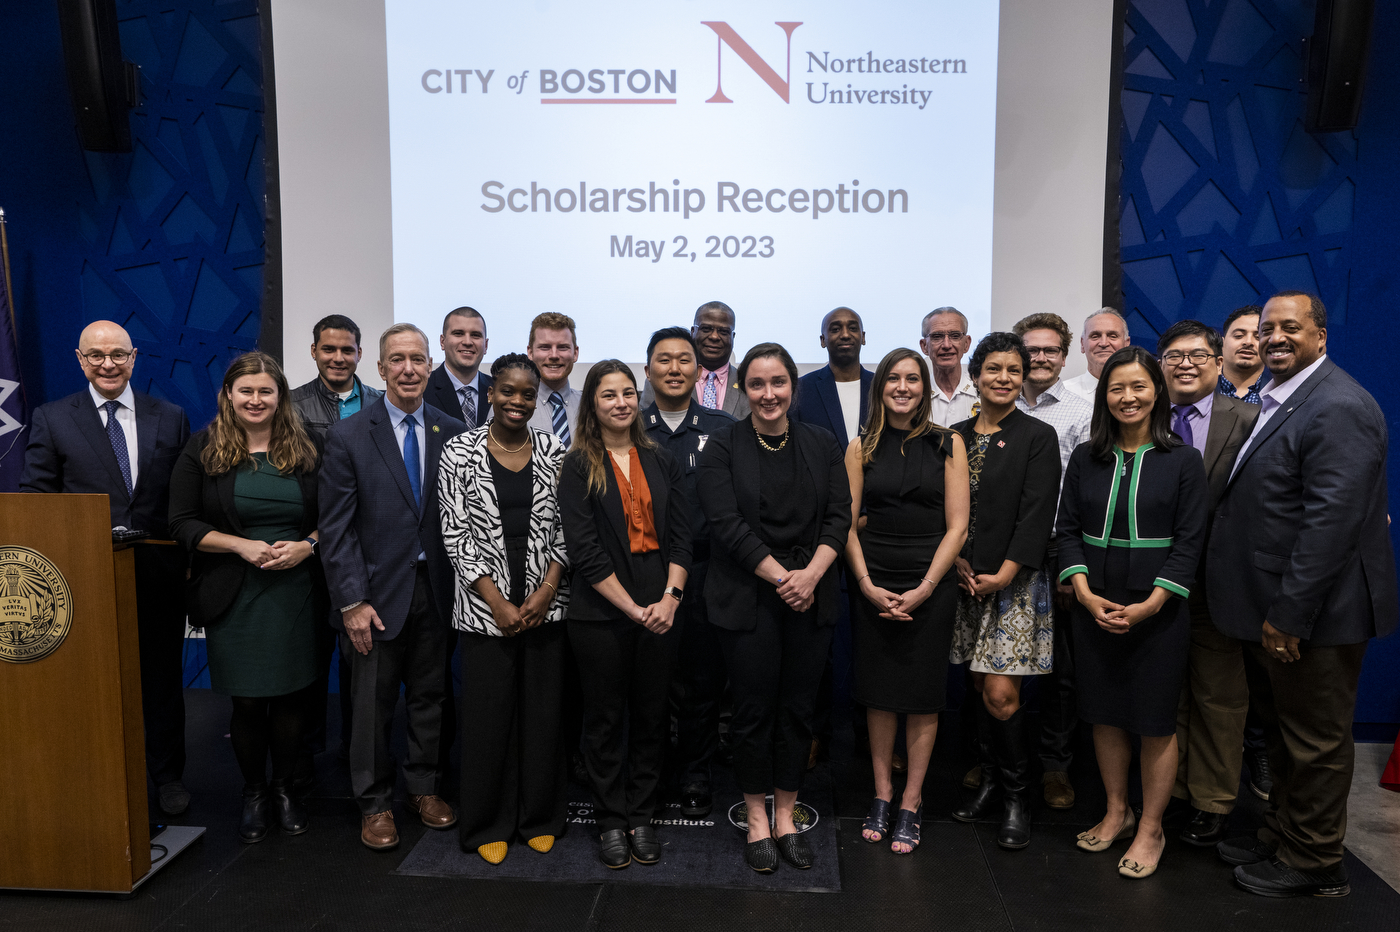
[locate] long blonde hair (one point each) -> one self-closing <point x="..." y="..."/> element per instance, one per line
<point x="588" y="434"/>
<point x="875" y="419"/>
<point x="290" y="447"/>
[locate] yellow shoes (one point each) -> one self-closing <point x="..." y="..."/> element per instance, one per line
<point x="541" y="843"/>
<point x="494" y="853"/>
<point x="1089" y="842"/>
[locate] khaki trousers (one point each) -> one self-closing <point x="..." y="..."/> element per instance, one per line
<point x="1210" y="717"/>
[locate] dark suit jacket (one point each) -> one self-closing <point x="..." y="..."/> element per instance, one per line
<point x="1231" y="420"/>
<point x="1016" y="493"/>
<point x="728" y="487"/>
<point x="442" y="396"/>
<point x="595" y="531"/>
<point x="200" y="503"/>
<point x="371" y="530"/>
<point x="1300" y="537"/>
<point x="818" y="403"/>
<point x="68" y="451"/>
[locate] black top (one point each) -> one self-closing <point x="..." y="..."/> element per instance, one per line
<point x="786" y="520"/>
<point x="687" y="443"/>
<point x="1116" y="561"/>
<point x="903" y="491"/>
<point x="515" y="497"/>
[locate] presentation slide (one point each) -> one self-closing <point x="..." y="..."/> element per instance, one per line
<point x="624" y="162"/>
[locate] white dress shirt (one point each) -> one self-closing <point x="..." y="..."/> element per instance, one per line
<point x="1084" y="386"/>
<point x="483" y="410"/>
<point x="1065" y="411"/>
<point x="849" y="395"/>
<point x="126" y="420"/>
<point x="1270" y="400"/>
<point x="948" y="410"/>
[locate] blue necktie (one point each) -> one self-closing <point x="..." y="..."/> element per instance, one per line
<point x="118" y="438"/>
<point x="411" y="460"/>
<point x="1181" y="423"/>
<point x="560" y="419"/>
<point x="710" y="396"/>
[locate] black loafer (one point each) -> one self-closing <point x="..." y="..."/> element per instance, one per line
<point x="696" y="801"/>
<point x="613" y="849"/>
<point x="1205" y="829"/>
<point x="1245" y="849"/>
<point x="645" y="848"/>
<point x="795" y="850"/>
<point x="1275" y="878"/>
<point x="761" y="855"/>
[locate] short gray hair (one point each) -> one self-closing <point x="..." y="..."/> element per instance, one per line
<point x="395" y="330"/>
<point x="1112" y="312"/>
<point x="942" y="310"/>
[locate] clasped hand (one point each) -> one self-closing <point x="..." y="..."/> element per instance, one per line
<point x="896" y="607"/>
<point x="530" y="614"/>
<point x="658" y="616"/>
<point x="798" y="588"/>
<point x="282" y="555"/>
<point x="980" y="585"/>
<point x="1115" y="618"/>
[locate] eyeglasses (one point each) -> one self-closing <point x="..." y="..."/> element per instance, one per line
<point x="944" y="336"/>
<point x="1197" y="357"/>
<point x="118" y="358"/>
<point x="706" y="330"/>
<point x="1049" y="352"/>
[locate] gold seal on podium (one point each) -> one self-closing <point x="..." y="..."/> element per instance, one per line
<point x="36" y="608"/>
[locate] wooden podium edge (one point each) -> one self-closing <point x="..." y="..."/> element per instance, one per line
<point x="133" y="724"/>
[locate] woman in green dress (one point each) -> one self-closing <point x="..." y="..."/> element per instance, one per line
<point x="243" y="501"/>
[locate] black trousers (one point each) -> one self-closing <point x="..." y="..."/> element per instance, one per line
<point x="513" y="780"/>
<point x="1059" y="707"/>
<point x="413" y="659"/>
<point x="624" y="671"/>
<point x="699" y="683"/>
<point x="160" y="611"/>
<point x="774" y="673"/>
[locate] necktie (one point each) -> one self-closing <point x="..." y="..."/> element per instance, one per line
<point x="411" y="459"/>
<point x="560" y="419"/>
<point x="710" y="398"/>
<point x="118" y="438"/>
<point x="468" y="398"/>
<point x="1181" y="423"/>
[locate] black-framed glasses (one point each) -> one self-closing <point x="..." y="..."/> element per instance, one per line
<point x="1197" y="357"/>
<point x="1049" y="352"/>
<point x="118" y="358"/>
<point x="945" y="336"/>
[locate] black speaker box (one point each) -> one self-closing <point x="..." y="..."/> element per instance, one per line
<point x="1337" y="64"/>
<point x="103" y="87"/>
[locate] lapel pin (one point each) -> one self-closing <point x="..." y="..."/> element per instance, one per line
<point x="437" y="429"/>
<point x="1001" y="443"/>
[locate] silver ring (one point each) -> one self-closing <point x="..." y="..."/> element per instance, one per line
<point x="1278" y="648"/>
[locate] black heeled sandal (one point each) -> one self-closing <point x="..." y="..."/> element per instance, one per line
<point x="906" y="830"/>
<point x="877" y="820"/>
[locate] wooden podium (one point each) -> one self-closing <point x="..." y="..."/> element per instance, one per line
<point x="72" y="756"/>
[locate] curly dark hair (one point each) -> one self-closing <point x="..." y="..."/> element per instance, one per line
<point x="515" y="361"/>
<point x="998" y="341"/>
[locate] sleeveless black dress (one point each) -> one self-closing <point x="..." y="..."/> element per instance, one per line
<point x="902" y="666"/>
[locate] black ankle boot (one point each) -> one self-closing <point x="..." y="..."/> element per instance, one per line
<point x="983" y="799"/>
<point x="1009" y="741"/>
<point x="291" y="814"/>
<point x="257" y="813"/>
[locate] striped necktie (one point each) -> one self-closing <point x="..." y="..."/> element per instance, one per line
<point x="467" y="395"/>
<point x="560" y="419"/>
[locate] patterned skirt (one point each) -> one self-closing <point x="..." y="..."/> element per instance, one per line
<point x="1011" y="632"/>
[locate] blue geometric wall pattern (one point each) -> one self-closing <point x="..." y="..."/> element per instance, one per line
<point x="175" y="227"/>
<point x="1224" y="197"/>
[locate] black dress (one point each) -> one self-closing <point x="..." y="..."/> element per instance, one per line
<point x="1130" y="681"/>
<point x="902" y="666"/>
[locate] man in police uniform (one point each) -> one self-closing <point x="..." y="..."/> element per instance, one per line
<point x="678" y="422"/>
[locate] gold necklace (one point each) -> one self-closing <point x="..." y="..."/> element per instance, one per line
<point x="763" y="443"/>
<point x="490" y="435"/>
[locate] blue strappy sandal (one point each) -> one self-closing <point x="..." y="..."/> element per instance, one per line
<point x="877" y="820"/>
<point x="906" y="829"/>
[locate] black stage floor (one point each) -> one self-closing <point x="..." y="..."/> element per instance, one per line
<point x="959" y="879"/>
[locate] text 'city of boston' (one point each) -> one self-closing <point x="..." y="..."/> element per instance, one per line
<point x="661" y="199"/>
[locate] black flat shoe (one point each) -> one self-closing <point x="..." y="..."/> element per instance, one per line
<point x="761" y="855"/>
<point x="613" y="849"/>
<point x="291" y="814"/>
<point x="696" y="801"/>
<point x="1205" y="829"/>
<point x="257" y="813"/>
<point x="645" y="848"/>
<point x="795" y="850"/>
<point x="1275" y="878"/>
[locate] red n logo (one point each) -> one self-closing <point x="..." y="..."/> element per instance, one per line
<point x="728" y="36"/>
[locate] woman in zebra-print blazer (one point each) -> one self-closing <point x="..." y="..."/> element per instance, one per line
<point x="501" y="525"/>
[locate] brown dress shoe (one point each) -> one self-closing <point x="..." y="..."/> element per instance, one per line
<point x="377" y="831"/>
<point x="433" y="810"/>
<point x="1059" y="794"/>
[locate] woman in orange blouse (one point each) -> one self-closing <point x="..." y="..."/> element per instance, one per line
<point x="627" y="530"/>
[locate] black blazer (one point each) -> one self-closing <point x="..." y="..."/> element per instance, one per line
<point x="595" y="531"/>
<point x="200" y="503"/>
<point x="1166" y="517"/>
<point x="728" y="488"/>
<point x="819" y="404"/>
<point x="442" y="396"/>
<point x="1300" y="536"/>
<point x="371" y="530"/>
<point x="68" y="451"/>
<point x="1016" y="493"/>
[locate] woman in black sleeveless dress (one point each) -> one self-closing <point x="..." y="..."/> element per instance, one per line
<point x="910" y="476"/>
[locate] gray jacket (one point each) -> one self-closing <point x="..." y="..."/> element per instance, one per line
<point x="319" y="407"/>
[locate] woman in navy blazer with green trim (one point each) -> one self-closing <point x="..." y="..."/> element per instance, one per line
<point x="1132" y="522"/>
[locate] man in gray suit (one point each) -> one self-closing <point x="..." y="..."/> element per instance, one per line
<point x="718" y="385"/>
<point x="389" y="574"/>
<point x="1301" y="569"/>
<point x="1215" y="697"/>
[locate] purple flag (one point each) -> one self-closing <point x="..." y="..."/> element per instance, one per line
<point x="14" y="416"/>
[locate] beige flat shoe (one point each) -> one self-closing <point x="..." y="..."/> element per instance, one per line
<point x="1131" y="868"/>
<point x="1088" y="842"/>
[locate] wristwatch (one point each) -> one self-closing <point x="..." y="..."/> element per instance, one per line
<point x="315" y="545"/>
<point x="675" y="592"/>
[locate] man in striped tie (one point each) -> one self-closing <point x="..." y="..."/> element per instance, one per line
<point x="554" y="348"/>
<point x="458" y="386"/>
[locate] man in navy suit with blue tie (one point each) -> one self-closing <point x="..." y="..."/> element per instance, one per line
<point x="115" y="441"/>
<point x="389" y="575"/>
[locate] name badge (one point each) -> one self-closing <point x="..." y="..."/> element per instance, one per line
<point x="704" y="438"/>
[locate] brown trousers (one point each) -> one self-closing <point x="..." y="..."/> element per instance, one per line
<point x="1307" y="708"/>
<point x="1210" y="717"/>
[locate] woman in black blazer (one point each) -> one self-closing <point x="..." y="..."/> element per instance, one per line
<point x="1132" y="521"/>
<point x="1005" y="627"/>
<point x="778" y="501"/>
<point x="627" y="529"/>
<point x="243" y="501"/>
